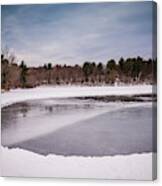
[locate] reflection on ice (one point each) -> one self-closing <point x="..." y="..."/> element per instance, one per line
<point x="26" y="120"/>
<point x="78" y="127"/>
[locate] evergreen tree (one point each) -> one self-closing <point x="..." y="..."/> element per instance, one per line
<point x="49" y="68"/>
<point x="87" y="70"/>
<point x="23" y="74"/>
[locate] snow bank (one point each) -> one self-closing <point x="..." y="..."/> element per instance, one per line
<point x="18" y="95"/>
<point x="17" y="162"/>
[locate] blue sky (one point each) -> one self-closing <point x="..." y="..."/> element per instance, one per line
<point x="74" y="33"/>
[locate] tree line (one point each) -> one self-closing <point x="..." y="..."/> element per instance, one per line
<point x="125" y="71"/>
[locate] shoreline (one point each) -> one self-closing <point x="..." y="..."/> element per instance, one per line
<point x="19" y="95"/>
<point x="15" y="163"/>
<point x="124" y="98"/>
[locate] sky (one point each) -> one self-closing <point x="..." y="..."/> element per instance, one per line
<point x="74" y="33"/>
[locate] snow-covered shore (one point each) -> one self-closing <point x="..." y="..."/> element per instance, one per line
<point x="18" y="95"/>
<point x="18" y="162"/>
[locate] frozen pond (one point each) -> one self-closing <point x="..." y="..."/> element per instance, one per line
<point x="80" y="127"/>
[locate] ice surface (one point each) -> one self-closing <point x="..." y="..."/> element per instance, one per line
<point x="98" y="130"/>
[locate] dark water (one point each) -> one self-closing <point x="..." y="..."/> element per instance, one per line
<point x="124" y="131"/>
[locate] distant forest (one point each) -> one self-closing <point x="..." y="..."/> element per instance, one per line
<point x="125" y="71"/>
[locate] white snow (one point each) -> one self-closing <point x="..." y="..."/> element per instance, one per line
<point x="18" y="162"/>
<point x="18" y="95"/>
